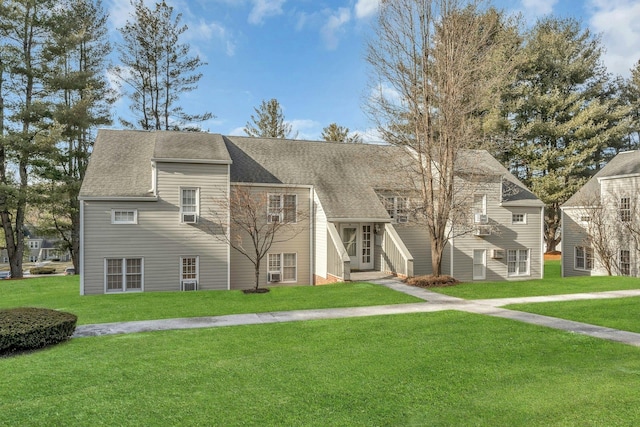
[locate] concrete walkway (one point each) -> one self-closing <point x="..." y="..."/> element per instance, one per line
<point x="433" y="302"/>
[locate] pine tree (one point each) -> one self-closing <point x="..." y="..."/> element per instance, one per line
<point x="337" y="133"/>
<point x="269" y="122"/>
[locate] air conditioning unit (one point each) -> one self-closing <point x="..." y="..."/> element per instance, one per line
<point x="482" y="230"/>
<point x="274" y="218"/>
<point x="497" y="253"/>
<point x="189" y="218"/>
<point x="481" y="219"/>
<point x="273" y="277"/>
<point x="189" y="285"/>
<point x="403" y="219"/>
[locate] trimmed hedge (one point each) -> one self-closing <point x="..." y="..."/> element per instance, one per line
<point x="29" y="328"/>
<point x="42" y="270"/>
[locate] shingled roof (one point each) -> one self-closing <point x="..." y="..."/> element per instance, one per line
<point x="625" y="163"/>
<point x="345" y="176"/>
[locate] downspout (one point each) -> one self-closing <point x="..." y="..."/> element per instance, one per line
<point x="82" y="273"/>
<point x="312" y="229"/>
<point x="228" y="231"/>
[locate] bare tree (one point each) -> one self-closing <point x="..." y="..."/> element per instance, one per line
<point x="257" y="220"/>
<point x="438" y="67"/>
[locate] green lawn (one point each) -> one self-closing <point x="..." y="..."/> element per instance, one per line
<point x="618" y="313"/>
<point x="62" y="293"/>
<point x="437" y="369"/>
<point x="552" y="284"/>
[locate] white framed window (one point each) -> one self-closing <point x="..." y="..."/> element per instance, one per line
<point x="189" y="272"/>
<point x="124" y="216"/>
<point x="518" y="218"/>
<point x="625" y="209"/>
<point x="479" y="264"/>
<point x="123" y="274"/>
<point x="398" y="208"/>
<point x="479" y="204"/>
<point x="282" y="208"/>
<point x="585" y="218"/>
<point x="583" y="259"/>
<point x="34" y="244"/>
<point x="33" y="258"/>
<point x="625" y="262"/>
<point x="518" y="262"/>
<point x="189" y="204"/>
<point x="282" y="267"/>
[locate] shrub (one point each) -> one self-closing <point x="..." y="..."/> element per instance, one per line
<point x="28" y="328"/>
<point x="432" y="281"/>
<point x="43" y="270"/>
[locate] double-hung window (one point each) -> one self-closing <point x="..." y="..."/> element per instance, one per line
<point x="398" y="208"/>
<point x="518" y="262"/>
<point x="284" y="266"/>
<point x="625" y="209"/>
<point x="282" y="208"/>
<point x="583" y="258"/>
<point x="625" y="262"/>
<point x="124" y="216"/>
<point x="123" y="274"/>
<point x="189" y="198"/>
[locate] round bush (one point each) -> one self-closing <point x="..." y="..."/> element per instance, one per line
<point x="28" y="328"/>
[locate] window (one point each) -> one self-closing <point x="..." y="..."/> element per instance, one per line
<point x="34" y="244"/>
<point x="189" y="204"/>
<point x="585" y="218"/>
<point x="625" y="209"/>
<point x="479" y="264"/>
<point x="479" y="204"/>
<point x="189" y="269"/>
<point x="119" y="216"/>
<point x="625" y="262"/>
<point x="583" y="258"/>
<point x="285" y="265"/>
<point x="282" y="208"/>
<point x="518" y="262"/>
<point x="398" y="208"/>
<point x="33" y="258"/>
<point x="518" y="218"/>
<point x="123" y="274"/>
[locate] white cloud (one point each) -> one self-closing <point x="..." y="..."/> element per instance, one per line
<point x="206" y="31"/>
<point x="618" y="21"/>
<point x="536" y="8"/>
<point x="370" y="136"/>
<point x="305" y="129"/>
<point x="263" y="9"/>
<point x="334" y="26"/>
<point x="366" y="8"/>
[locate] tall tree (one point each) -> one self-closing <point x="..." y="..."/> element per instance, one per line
<point x="337" y="133"/>
<point x="75" y="54"/>
<point x="157" y="69"/>
<point x="631" y="91"/>
<point x="561" y="116"/>
<point x="438" y="66"/>
<point x="269" y="122"/>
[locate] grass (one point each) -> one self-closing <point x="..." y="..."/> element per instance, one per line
<point x="618" y="313"/>
<point x="552" y="284"/>
<point x="437" y="369"/>
<point x="62" y="293"/>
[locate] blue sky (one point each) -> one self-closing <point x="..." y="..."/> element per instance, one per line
<point x="309" y="54"/>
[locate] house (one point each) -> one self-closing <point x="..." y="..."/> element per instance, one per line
<point x="149" y="200"/>
<point x="600" y="223"/>
<point x="39" y="249"/>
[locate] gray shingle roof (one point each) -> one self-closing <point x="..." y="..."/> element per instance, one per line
<point x="626" y="163"/>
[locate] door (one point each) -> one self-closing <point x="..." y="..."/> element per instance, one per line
<point x="479" y="264"/>
<point x="366" y="247"/>
<point x="349" y="233"/>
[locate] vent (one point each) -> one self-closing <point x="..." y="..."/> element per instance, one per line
<point x="497" y="253"/>
<point x="273" y="277"/>
<point x="480" y="219"/>
<point x="482" y="230"/>
<point x="189" y="285"/>
<point x="189" y="218"/>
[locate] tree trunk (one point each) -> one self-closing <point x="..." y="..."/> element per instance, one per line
<point x="437" y="250"/>
<point x="257" y="265"/>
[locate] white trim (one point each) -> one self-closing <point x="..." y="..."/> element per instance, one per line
<point x="281" y="267"/>
<point x="228" y="230"/>
<point x="281" y="208"/>
<point x="119" y="198"/>
<point x="124" y="274"/>
<point x="181" y="271"/>
<point x="386" y="220"/>
<point x="191" y="161"/>
<point x="113" y="216"/>
<point x="629" y="175"/>
<point x="584" y="258"/>
<point x="524" y="218"/>
<point x="81" y="260"/>
<point x="197" y="197"/>
<point x="542" y="244"/>
<point x="518" y="273"/>
<point x="312" y="233"/>
<point x="483" y="264"/>
<point x="259" y="184"/>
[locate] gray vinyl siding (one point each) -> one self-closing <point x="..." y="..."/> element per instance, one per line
<point x="416" y="239"/>
<point x="573" y="234"/>
<point x="505" y="236"/>
<point x="320" y="228"/>
<point x="159" y="237"/>
<point x="243" y="270"/>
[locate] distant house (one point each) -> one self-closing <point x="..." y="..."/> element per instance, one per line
<point x="148" y="200"/>
<point x="39" y="249"/>
<point x="601" y="222"/>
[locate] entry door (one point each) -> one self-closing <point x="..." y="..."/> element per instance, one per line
<point x="366" y="246"/>
<point x="349" y="234"/>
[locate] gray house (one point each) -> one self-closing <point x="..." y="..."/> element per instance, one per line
<point x="601" y="222"/>
<point x="150" y="199"/>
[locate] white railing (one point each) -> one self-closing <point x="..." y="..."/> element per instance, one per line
<point x="338" y="261"/>
<point x="396" y="258"/>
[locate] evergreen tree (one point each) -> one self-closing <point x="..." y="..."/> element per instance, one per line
<point x="337" y="133"/>
<point x="269" y="122"/>
<point x="157" y="69"/>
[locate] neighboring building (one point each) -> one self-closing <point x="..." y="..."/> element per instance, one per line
<point x="149" y="198"/>
<point x="601" y="222"/>
<point x="39" y="249"/>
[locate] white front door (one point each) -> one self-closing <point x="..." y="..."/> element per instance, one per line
<point x="358" y="241"/>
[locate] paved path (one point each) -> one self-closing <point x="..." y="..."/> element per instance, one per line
<point x="433" y="302"/>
